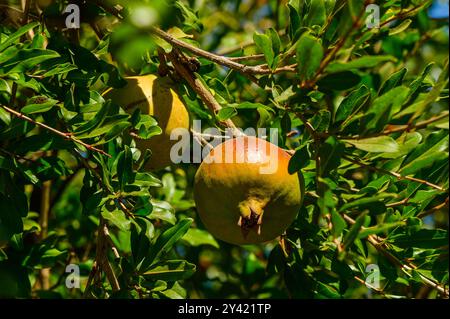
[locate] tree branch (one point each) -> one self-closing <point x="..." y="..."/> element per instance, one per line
<point x="44" y="274"/>
<point x="400" y="128"/>
<point x="68" y="136"/>
<point x="405" y="267"/>
<point x="176" y="58"/>
<point x="222" y="60"/>
<point x="395" y="174"/>
<point x="433" y="209"/>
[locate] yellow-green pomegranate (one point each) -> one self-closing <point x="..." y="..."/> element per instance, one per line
<point x="157" y="97"/>
<point x="244" y="193"/>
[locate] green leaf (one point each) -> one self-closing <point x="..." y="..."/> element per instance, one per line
<point x="383" y="107"/>
<point x="359" y="63"/>
<point x="433" y="149"/>
<point x="190" y="18"/>
<point x="327" y="291"/>
<point x="379" y="144"/>
<point x="275" y="40"/>
<point x="434" y="94"/>
<point x="140" y="243"/>
<point x="374" y="203"/>
<point x="264" y="43"/>
<point x="108" y="126"/>
<point x="16" y="35"/>
<point x="295" y="23"/>
<point x="165" y="241"/>
<point x="406" y="143"/>
<point x="226" y="113"/>
<point x="339" y="81"/>
<point x="330" y="153"/>
<point x="60" y="69"/>
<point x="115" y="131"/>
<point x="162" y="210"/>
<point x="339" y="223"/>
<point x="27" y="59"/>
<point x="317" y="13"/>
<point x="96" y="121"/>
<point x="424" y="238"/>
<point x="352" y="103"/>
<point x="4" y="86"/>
<point x="198" y="237"/>
<point x="401" y="27"/>
<point x="309" y="56"/>
<point x="393" y="81"/>
<point x="125" y="168"/>
<point x="382" y="228"/>
<point x="51" y="256"/>
<point x="299" y="160"/>
<point x="170" y="270"/>
<point x="39" y="104"/>
<point x="116" y="217"/>
<point x="353" y="232"/>
<point x="147" y="179"/>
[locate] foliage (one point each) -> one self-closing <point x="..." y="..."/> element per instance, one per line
<point x="364" y="112"/>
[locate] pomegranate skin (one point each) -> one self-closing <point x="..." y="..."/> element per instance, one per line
<point x="253" y="198"/>
<point x="155" y="96"/>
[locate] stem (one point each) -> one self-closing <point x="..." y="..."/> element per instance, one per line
<point x="434" y="209"/>
<point x="222" y="60"/>
<point x="101" y="262"/>
<point x="176" y="58"/>
<point x="247" y="57"/>
<point x="330" y="56"/>
<point x="405" y="267"/>
<point x="44" y="274"/>
<point x="395" y="174"/>
<point x="378" y="291"/>
<point x="68" y="136"/>
<point x="401" y="128"/>
<point x="26" y="10"/>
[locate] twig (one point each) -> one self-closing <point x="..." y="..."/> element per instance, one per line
<point x="18" y="157"/>
<point x="330" y="55"/>
<point x="378" y="291"/>
<point x="12" y="99"/>
<point x="44" y="274"/>
<point x="407" y="267"/>
<point x="206" y="96"/>
<point x="109" y="239"/>
<point x="434" y="209"/>
<point x="92" y="274"/>
<point x="68" y="136"/>
<point x="26" y="10"/>
<point x="333" y="52"/>
<point x="246" y="57"/>
<point x="232" y="49"/>
<point x="222" y="60"/>
<point x="308" y="126"/>
<point x="400" y="128"/>
<point x="101" y="261"/>
<point x="201" y="139"/>
<point x="395" y="174"/>
<point x="400" y="15"/>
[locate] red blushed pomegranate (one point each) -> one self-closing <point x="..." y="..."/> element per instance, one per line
<point x="244" y="193"/>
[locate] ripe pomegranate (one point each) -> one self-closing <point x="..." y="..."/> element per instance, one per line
<point x="157" y="97"/>
<point x="244" y="193"/>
